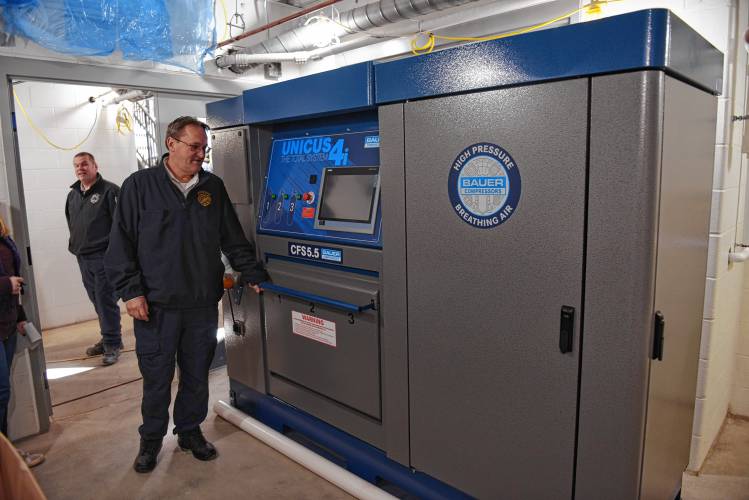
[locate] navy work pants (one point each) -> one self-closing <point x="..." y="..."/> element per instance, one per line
<point x="7" y="349"/>
<point x="103" y="297"/>
<point x="189" y="337"/>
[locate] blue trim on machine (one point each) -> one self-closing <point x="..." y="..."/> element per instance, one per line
<point x="352" y="243"/>
<point x="317" y="299"/>
<point x="336" y="267"/>
<point x="355" y="455"/>
<point x="636" y="41"/>
<point x="346" y="89"/>
<point x="361" y="121"/>
<point x="225" y="113"/>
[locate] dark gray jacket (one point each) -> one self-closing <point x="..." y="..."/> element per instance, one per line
<point x="90" y="216"/>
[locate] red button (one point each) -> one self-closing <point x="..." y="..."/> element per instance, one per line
<point x="307" y="196"/>
<point x="308" y="213"/>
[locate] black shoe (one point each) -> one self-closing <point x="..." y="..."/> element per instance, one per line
<point x="146" y="459"/>
<point x="95" y="350"/>
<point x="98" y="349"/>
<point x="111" y="355"/>
<point x="195" y="442"/>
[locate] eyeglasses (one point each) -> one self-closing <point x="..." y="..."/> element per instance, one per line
<point x="195" y="147"/>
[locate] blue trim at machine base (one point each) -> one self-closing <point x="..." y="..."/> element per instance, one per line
<point x="351" y="453"/>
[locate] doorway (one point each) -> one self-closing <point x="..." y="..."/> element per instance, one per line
<point x="53" y="122"/>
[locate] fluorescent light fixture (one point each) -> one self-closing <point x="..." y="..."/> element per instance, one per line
<point x="322" y="31"/>
<point x="55" y="373"/>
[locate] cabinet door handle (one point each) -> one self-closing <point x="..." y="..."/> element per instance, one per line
<point x="658" y="336"/>
<point x="566" y="328"/>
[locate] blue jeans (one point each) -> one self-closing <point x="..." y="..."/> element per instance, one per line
<point x="102" y="296"/>
<point x="7" y="349"/>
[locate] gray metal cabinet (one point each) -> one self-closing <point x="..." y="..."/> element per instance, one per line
<point x="492" y="298"/>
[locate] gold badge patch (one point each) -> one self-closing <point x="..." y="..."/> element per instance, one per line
<point x="204" y="198"/>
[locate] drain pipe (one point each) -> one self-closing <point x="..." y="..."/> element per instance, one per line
<point x="741" y="256"/>
<point x="125" y="96"/>
<point x="237" y="59"/>
<point x="339" y="476"/>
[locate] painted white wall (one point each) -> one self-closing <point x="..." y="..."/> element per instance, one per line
<point x="740" y="397"/>
<point x="64" y="114"/>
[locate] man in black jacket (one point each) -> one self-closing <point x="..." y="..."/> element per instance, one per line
<point x="89" y="210"/>
<point x="164" y="259"/>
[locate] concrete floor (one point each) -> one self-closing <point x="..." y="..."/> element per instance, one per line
<point x="725" y="473"/>
<point x="93" y="440"/>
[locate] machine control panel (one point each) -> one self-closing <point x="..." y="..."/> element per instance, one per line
<point x="324" y="188"/>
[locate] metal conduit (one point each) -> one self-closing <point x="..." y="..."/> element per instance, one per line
<point x="367" y="17"/>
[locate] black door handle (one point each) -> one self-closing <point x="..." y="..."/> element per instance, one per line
<point x="658" y="336"/>
<point x="566" y="328"/>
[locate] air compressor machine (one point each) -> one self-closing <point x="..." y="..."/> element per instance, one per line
<point x="487" y="264"/>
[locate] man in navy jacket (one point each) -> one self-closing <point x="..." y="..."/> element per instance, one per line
<point x="89" y="209"/>
<point x="164" y="259"/>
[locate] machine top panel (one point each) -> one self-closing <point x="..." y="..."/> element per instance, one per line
<point x="342" y="90"/>
<point x="647" y="39"/>
<point x="225" y="113"/>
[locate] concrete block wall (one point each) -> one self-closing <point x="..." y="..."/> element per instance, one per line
<point x="718" y="369"/>
<point x="64" y="114"/>
<point x="740" y="398"/>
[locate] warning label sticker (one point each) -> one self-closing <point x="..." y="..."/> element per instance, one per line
<point x="313" y="328"/>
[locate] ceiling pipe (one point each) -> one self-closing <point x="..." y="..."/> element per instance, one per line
<point x="359" y="19"/>
<point x="275" y="23"/>
<point x="127" y="95"/>
<point x="236" y="59"/>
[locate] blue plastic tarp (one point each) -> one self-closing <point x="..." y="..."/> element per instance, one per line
<point x="176" y="32"/>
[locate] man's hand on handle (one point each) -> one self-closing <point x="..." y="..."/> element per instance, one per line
<point x="138" y="308"/>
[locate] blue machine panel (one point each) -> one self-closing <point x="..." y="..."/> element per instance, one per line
<point x="291" y="201"/>
<point x="346" y="89"/>
<point x="639" y="40"/>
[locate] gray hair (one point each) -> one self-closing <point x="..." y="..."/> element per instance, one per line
<point x="174" y="129"/>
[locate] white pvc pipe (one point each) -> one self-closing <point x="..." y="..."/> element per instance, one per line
<point x="739" y="256"/>
<point x="339" y="476"/>
<point x="248" y="59"/>
<point x="130" y="94"/>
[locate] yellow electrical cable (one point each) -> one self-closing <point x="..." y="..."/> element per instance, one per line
<point x="41" y="133"/>
<point x="124" y="120"/>
<point x="226" y="21"/>
<point x="593" y="7"/>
